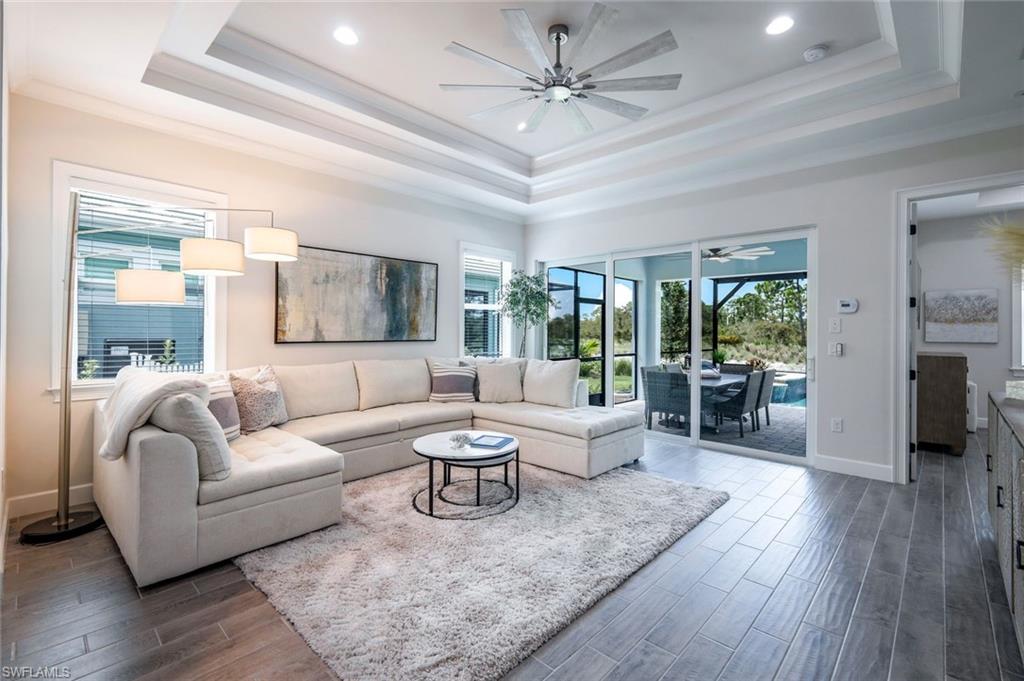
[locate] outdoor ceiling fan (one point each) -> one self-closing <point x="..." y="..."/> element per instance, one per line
<point x="728" y="253"/>
<point x="567" y="85"/>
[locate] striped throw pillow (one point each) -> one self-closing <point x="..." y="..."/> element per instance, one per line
<point x="223" y="404"/>
<point x="452" y="382"/>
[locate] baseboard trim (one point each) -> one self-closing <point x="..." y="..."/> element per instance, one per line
<point x="982" y="423"/>
<point x="40" y="502"/>
<point x="862" y="469"/>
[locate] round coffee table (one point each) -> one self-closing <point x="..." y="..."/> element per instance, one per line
<point x="437" y="447"/>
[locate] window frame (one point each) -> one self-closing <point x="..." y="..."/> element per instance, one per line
<point x="509" y="265"/>
<point x="68" y="177"/>
<point x="577" y="301"/>
<point x="615" y="355"/>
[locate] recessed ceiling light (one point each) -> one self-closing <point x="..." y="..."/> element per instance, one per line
<point x="521" y="126"/>
<point x="779" y="25"/>
<point x="345" y="35"/>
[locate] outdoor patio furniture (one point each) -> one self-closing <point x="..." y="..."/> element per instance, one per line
<point x="741" y="403"/>
<point x="665" y="393"/>
<point x="735" y="368"/>
<point x="764" y="398"/>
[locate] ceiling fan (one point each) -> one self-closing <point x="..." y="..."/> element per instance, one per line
<point x="728" y="253"/>
<point x="567" y="85"/>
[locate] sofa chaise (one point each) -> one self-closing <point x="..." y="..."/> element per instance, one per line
<point x="346" y="419"/>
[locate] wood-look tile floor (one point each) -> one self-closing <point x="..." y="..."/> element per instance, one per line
<point x="801" y="575"/>
<point x="805" y="575"/>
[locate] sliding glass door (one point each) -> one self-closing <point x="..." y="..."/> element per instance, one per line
<point x="576" y="322"/>
<point x="754" y="337"/>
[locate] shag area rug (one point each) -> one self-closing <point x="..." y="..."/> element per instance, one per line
<point x="394" y="594"/>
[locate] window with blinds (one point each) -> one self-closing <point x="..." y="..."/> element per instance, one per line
<point x="485" y="331"/>
<point x="108" y="336"/>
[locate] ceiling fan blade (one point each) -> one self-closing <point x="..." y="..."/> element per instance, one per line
<point x="462" y="86"/>
<point x="578" y="121"/>
<point x="666" y="82"/>
<point x="759" y="250"/>
<point x="537" y="116"/>
<point x="615" y="106"/>
<point x="658" y="45"/>
<point x="502" y="107"/>
<point x="740" y="256"/>
<point x="481" y="58"/>
<point x="600" y="17"/>
<point x="522" y="28"/>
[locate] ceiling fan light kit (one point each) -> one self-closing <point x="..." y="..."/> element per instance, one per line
<point x="567" y="85"/>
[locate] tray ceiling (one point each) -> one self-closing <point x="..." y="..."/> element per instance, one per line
<point x="267" y="78"/>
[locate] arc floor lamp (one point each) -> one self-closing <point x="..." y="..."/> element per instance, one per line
<point x="202" y="256"/>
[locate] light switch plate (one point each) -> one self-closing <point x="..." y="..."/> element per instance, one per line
<point x="835" y="325"/>
<point x="837" y="424"/>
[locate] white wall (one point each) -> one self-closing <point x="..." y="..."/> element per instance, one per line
<point x="955" y="254"/>
<point x="4" y="131"/>
<point x="326" y="211"/>
<point x="853" y="206"/>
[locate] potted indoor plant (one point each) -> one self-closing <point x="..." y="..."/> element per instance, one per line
<point x="525" y="300"/>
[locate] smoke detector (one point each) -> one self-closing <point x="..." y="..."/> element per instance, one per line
<point x="815" y="53"/>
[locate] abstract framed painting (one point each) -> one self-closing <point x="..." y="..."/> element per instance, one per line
<point x="961" y="316"/>
<point x="330" y="296"/>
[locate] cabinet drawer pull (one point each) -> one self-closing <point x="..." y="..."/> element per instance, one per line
<point x="988" y="462"/>
<point x="1020" y="559"/>
<point x="999" y="496"/>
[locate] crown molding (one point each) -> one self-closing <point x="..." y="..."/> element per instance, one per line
<point x="375" y="108"/>
<point x="355" y="173"/>
<point x="691" y="180"/>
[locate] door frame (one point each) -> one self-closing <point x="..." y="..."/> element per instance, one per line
<point x="903" y="346"/>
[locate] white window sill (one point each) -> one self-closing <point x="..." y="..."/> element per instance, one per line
<point x="1017" y="372"/>
<point x="86" y="391"/>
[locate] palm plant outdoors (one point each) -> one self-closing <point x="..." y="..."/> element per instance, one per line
<point x="524" y="299"/>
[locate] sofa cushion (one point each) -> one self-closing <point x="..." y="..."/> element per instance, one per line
<point x="416" y="414"/>
<point x="500" y="382"/>
<point x="585" y="423"/>
<point x="452" y="381"/>
<point x="327" y="429"/>
<point x="394" y="381"/>
<point x="315" y="389"/>
<point x="260" y="401"/>
<point x="267" y="458"/>
<point x="551" y="383"/>
<point x="186" y="415"/>
<point x="222" y="403"/>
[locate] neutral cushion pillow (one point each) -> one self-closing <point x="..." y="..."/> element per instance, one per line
<point x="187" y="415"/>
<point x="392" y="381"/>
<point x="451" y="381"/>
<point x="260" y="400"/>
<point x="500" y="383"/>
<point x="223" y="405"/>
<point x="315" y="389"/>
<point x="551" y="383"/>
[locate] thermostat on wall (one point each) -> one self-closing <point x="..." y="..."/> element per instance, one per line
<point x="847" y="305"/>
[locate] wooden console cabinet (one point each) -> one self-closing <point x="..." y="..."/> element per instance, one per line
<point x="942" y="400"/>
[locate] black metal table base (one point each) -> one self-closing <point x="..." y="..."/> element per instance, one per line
<point x="446" y="481"/>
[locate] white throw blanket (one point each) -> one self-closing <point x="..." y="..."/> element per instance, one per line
<point x="136" y="394"/>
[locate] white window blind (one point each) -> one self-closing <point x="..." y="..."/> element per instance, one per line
<point x="108" y="336"/>
<point x="485" y="331"/>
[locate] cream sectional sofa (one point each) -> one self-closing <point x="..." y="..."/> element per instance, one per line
<point x="348" y="418"/>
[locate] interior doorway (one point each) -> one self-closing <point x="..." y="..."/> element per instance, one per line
<point x="963" y="311"/>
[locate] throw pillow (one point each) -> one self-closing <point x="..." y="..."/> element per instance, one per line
<point x="187" y="415"/>
<point x="500" y="383"/>
<point x="223" y="404"/>
<point x="551" y="383"/>
<point x="260" y="400"/>
<point x="451" y="381"/>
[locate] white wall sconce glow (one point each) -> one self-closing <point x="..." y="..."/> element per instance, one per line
<point x="271" y="243"/>
<point x="779" y="25"/>
<point x="149" y="287"/>
<point x="345" y="35"/>
<point x="521" y="126"/>
<point x="212" y="257"/>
